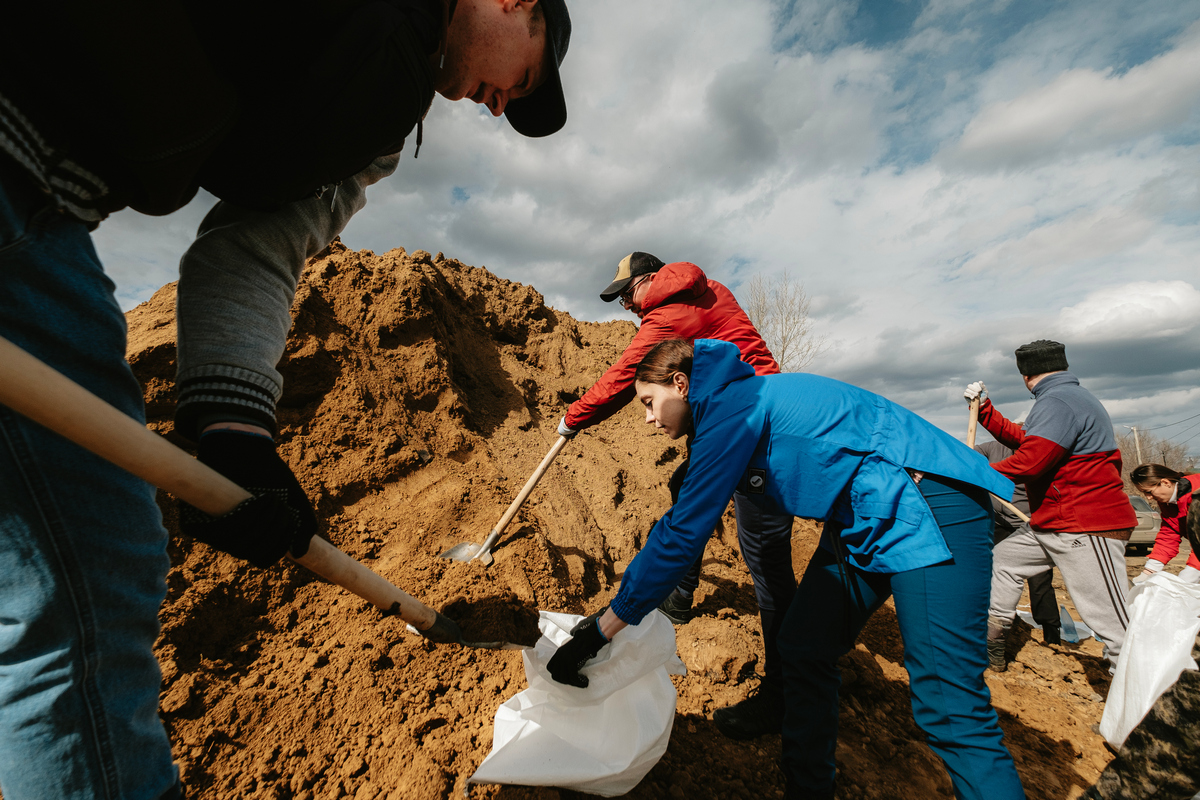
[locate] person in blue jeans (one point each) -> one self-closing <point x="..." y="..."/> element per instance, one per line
<point x="140" y="106"/>
<point x="906" y="513"/>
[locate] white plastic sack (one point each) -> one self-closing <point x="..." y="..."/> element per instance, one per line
<point x="1164" y="619"/>
<point x="602" y="739"/>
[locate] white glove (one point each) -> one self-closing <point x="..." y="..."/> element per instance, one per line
<point x="1152" y="566"/>
<point x="975" y="391"/>
<point x="1189" y="574"/>
<point x="563" y="430"/>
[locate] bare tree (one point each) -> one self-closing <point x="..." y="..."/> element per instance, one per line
<point x="779" y="309"/>
<point x="1154" y="451"/>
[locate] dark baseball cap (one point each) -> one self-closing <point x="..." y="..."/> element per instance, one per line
<point x="632" y="265"/>
<point x="544" y="110"/>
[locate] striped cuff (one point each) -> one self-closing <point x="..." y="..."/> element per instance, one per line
<point x="76" y="190"/>
<point x="216" y="392"/>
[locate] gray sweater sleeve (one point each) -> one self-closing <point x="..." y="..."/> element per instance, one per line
<point x="233" y="307"/>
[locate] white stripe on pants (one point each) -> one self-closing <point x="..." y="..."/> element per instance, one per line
<point x="1093" y="569"/>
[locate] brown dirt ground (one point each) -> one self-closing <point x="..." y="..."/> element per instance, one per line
<point x="421" y="393"/>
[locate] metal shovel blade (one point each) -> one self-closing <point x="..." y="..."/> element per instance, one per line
<point x="478" y="645"/>
<point x="469" y="551"/>
<point x="495" y="645"/>
<point x="466" y="552"/>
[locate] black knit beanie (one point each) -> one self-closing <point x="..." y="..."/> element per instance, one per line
<point x="1041" y="356"/>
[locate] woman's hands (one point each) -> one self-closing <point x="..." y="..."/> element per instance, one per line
<point x="587" y="639"/>
<point x="585" y="642"/>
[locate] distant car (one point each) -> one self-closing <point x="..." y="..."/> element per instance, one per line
<point x="1141" y="541"/>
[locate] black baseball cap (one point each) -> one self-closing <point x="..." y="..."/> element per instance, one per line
<point x="544" y="110"/>
<point x="632" y="265"/>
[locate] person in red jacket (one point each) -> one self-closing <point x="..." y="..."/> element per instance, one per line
<point x="1173" y="491"/>
<point x="678" y="301"/>
<point x="1067" y="457"/>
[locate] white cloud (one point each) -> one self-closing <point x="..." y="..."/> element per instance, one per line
<point x="1144" y="310"/>
<point x="1085" y="109"/>
<point x="1085" y="235"/>
<point x="1166" y="405"/>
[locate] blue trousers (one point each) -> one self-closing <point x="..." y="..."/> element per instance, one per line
<point x="83" y="558"/>
<point x="942" y="612"/>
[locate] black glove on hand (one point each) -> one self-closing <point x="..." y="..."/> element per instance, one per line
<point x="277" y="520"/>
<point x="586" y="641"/>
<point x="443" y="630"/>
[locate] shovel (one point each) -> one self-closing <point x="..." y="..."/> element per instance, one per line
<point x="972" y="424"/>
<point x="52" y="400"/>
<point x="469" y="551"/>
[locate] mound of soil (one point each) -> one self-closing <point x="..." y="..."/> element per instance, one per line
<point x="420" y="395"/>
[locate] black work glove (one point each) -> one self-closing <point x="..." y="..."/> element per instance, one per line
<point x="586" y="641"/>
<point x="443" y="630"/>
<point x="279" y="518"/>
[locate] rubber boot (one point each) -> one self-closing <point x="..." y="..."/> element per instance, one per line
<point x="997" y="661"/>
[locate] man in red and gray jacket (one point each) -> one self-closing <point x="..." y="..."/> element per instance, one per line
<point x="677" y="301"/>
<point x="1067" y="457"/>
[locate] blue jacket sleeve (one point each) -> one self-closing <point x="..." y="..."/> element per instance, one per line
<point x="720" y="453"/>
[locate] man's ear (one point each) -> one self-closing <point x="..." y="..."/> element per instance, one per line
<point x="681" y="383"/>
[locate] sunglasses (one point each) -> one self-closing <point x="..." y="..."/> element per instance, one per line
<point x="626" y="297"/>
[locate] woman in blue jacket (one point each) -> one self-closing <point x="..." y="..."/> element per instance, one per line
<point x="906" y="514"/>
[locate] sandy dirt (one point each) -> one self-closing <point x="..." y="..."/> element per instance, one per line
<point x="421" y="393"/>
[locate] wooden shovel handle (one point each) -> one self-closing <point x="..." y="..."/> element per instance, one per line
<point x="1013" y="509"/>
<point x="972" y="422"/>
<point x="526" y="490"/>
<point x="972" y="426"/>
<point x="52" y="400"/>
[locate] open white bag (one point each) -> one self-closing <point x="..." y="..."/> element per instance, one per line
<point x="602" y="739"/>
<point x="1164" y="619"/>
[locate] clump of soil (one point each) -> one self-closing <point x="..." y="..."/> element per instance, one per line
<point x="484" y="610"/>
<point x="420" y="395"/>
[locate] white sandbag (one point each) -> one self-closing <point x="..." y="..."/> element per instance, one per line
<point x="1164" y="619"/>
<point x="602" y="739"/>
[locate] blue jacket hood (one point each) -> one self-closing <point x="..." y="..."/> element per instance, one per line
<point x="715" y="365"/>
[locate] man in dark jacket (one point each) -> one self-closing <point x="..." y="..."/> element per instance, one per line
<point x="1042" y="602"/>
<point x="140" y="104"/>
<point x="678" y="301"/>
<point x="1067" y="457"/>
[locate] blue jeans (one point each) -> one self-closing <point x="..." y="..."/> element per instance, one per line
<point x="83" y="558"/>
<point x="942" y="613"/>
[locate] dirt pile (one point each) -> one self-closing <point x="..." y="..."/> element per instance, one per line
<point x="420" y="395"/>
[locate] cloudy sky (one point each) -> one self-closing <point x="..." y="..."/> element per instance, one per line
<point x="949" y="179"/>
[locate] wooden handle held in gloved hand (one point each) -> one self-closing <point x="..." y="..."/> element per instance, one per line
<point x="52" y="400"/>
<point x="972" y="427"/>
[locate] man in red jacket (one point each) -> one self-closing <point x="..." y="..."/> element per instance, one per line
<point x="677" y="301"/>
<point x="1067" y="457"/>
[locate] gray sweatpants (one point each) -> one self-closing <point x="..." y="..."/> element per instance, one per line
<point x="1092" y="567"/>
